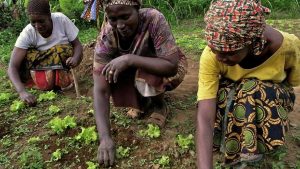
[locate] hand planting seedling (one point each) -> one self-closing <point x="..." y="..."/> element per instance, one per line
<point x="87" y="135"/>
<point x="17" y="106"/>
<point x="185" y="143"/>
<point x="153" y="131"/>
<point x="92" y="165"/>
<point x="58" y="125"/>
<point x="123" y="152"/>
<point x="50" y="95"/>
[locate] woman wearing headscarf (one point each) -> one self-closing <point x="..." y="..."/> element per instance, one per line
<point x="44" y="52"/>
<point x="245" y="84"/>
<point x="136" y="60"/>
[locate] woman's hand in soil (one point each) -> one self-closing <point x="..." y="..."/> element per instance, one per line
<point x="106" y="151"/>
<point x="112" y="70"/>
<point x="28" y="98"/>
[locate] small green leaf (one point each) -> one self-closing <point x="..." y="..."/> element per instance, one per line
<point x="5" y="97"/>
<point x="123" y="152"/>
<point x="53" y="109"/>
<point x="17" y="105"/>
<point x="56" y="155"/>
<point x="88" y="135"/>
<point x="92" y="165"/>
<point x="50" y="95"/>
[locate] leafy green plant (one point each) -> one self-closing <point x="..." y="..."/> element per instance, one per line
<point x="50" y="95"/>
<point x="279" y="154"/>
<point x="298" y="164"/>
<point x="31" y="158"/>
<point x="53" y="109"/>
<point x="278" y="165"/>
<point x="91" y="112"/>
<point x="92" y="165"/>
<point x="17" y="106"/>
<point x="152" y="131"/>
<point x="123" y="152"/>
<point x="87" y="135"/>
<point x="163" y="161"/>
<point x="56" y="155"/>
<point x="33" y="140"/>
<point x="58" y="125"/>
<point x="72" y="8"/>
<point x="4" y="97"/>
<point x="6" y="141"/>
<point x="121" y="120"/>
<point x="185" y="143"/>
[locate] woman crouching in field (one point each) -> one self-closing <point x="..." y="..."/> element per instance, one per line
<point x="245" y="84"/>
<point x="136" y="60"/>
<point x="44" y="52"/>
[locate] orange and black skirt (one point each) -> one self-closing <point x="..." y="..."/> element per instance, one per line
<point x="45" y="70"/>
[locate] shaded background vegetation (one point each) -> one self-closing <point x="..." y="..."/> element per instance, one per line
<point x="13" y="16"/>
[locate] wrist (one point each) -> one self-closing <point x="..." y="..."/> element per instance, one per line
<point x="20" y="91"/>
<point x="105" y="135"/>
<point x="129" y="60"/>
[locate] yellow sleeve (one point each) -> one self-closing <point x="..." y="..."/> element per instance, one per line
<point x="208" y="79"/>
<point x="293" y="61"/>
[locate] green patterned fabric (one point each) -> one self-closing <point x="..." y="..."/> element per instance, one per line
<point x="251" y="118"/>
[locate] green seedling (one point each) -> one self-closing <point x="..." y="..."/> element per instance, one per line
<point x="163" y="161"/>
<point x="31" y="158"/>
<point x="6" y="141"/>
<point x="121" y="120"/>
<point x="17" y="106"/>
<point x="33" y="140"/>
<point x="123" y="152"/>
<point x="279" y="153"/>
<point x="152" y="131"/>
<point x="87" y="135"/>
<point x="4" y="97"/>
<point x="56" y="155"/>
<point x="50" y="95"/>
<point x="91" y="165"/>
<point x="58" y="125"/>
<point x="91" y="112"/>
<point x="298" y="164"/>
<point x="278" y="165"/>
<point x="185" y="143"/>
<point x="53" y="109"/>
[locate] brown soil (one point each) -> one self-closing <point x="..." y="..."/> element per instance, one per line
<point x="143" y="150"/>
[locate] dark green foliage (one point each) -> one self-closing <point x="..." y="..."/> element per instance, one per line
<point x="31" y="158"/>
<point x="71" y="8"/>
<point x="175" y="10"/>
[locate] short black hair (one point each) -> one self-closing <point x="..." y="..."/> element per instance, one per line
<point x="38" y="7"/>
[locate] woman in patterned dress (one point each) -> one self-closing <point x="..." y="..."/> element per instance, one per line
<point x="245" y="84"/>
<point x="136" y="60"/>
<point x="44" y="52"/>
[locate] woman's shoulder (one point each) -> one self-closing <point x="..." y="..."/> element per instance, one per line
<point x="58" y="16"/>
<point x="150" y="14"/>
<point x="28" y="31"/>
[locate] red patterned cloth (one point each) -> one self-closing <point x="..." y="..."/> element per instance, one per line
<point x="45" y="70"/>
<point x="233" y="24"/>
